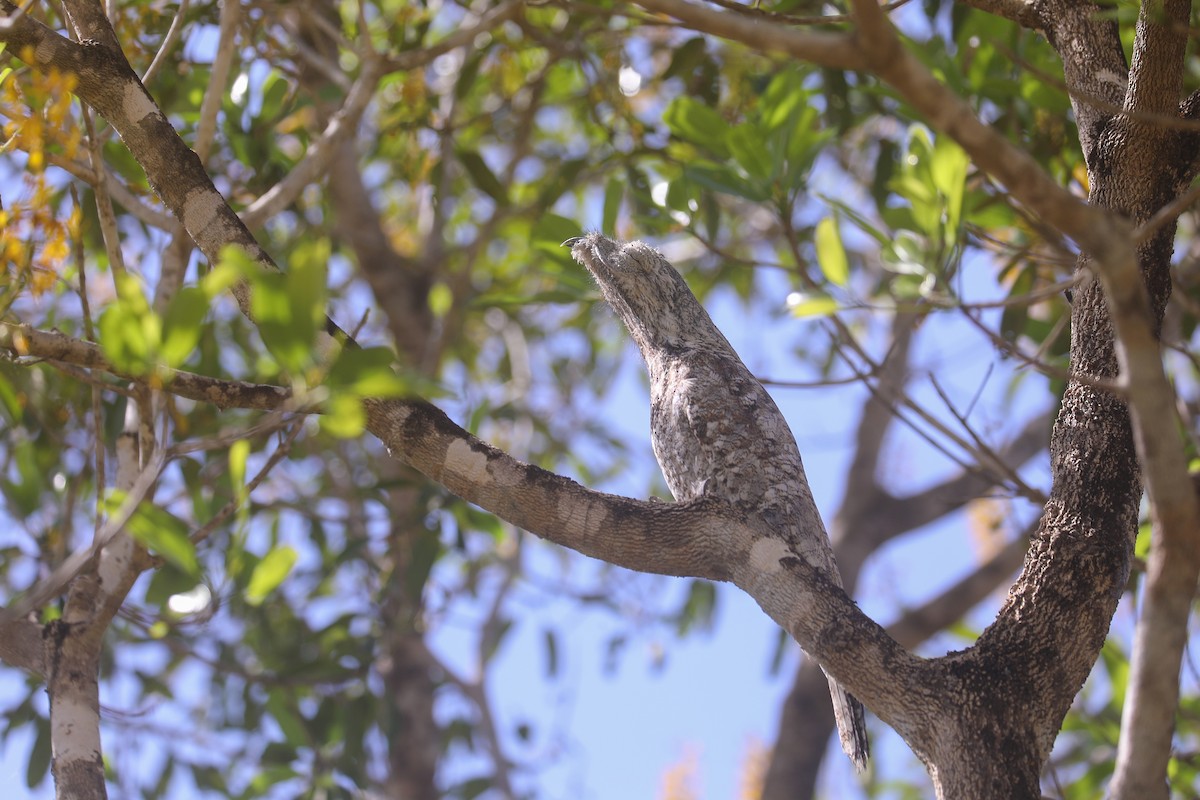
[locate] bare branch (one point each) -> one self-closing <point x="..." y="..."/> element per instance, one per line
<point x="22" y="340"/>
<point x="1021" y="12"/>
<point x="1156" y="74"/>
<point x="341" y="126"/>
<point x="53" y="584"/>
<point x="21" y="645"/>
<point x="1089" y="43"/>
<point x="214" y="94"/>
<point x="168" y="43"/>
<point x="835" y="50"/>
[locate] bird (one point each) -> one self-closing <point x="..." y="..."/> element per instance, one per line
<point x="714" y="429"/>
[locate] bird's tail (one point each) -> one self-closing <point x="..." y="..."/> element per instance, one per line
<point x="851" y="724"/>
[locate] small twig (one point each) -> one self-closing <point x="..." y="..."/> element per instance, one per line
<point x="990" y="459"/>
<point x="789" y="19"/>
<point x="1167" y="213"/>
<point x="782" y="384"/>
<point x="90" y="333"/>
<point x="104" y="207"/>
<point x="269" y="424"/>
<point x="227" y="510"/>
<point x="214" y="94"/>
<point x="168" y="43"/>
<point x="1105" y="384"/>
<point x="53" y="584"/>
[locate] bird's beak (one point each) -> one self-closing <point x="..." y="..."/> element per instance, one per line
<point x="572" y="241"/>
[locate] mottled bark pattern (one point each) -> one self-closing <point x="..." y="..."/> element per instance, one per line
<point x="715" y="430"/>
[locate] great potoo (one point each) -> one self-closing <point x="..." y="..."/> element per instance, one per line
<point x="714" y="429"/>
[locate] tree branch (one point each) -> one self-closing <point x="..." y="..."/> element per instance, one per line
<point x="1088" y="41"/>
<point x="1148" y="718"/>
<point x="23" y="340"/>
<point x="835" y="50"/>
<point x="21" y="645"/>
<point x="1022" y="12"/>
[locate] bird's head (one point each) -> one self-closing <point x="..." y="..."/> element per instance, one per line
<point x="646" y="292"/>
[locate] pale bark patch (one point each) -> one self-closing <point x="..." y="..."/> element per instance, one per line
<point x="74" y="733"/>
<point x="135" y="104"/>
<point x="200" y="214"/>
<point x="44" y="51"/>
<point x="115" y="560"/>
<point x="467" y="463"/>
<point x="767" y="553"/>
<point x="587" y="517"/>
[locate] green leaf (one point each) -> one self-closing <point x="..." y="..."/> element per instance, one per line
<point x="1117" y="665"/>
<point x="782" y="648"/>
<point x="550" y="648"/>
<point x="695" y="122"/>
<point x="274" y="92"/>
<point x="269" y="573"/>
<point x="239" y="451"/>
<point x="292" y="724"/>
<point x="813" y="306"/>
<point x="283" y="332"/>
<point x="307" y="273"/>
<point x="182" y="323"/>
<point x="680" y="196"/>
<point x="1141" y="547"/>
<point x="614" y="191"/>
<point x="699" y="607"/>
<point x="550" y="231"/>
<point x="10" y="399"/>
<point x="831" y="253"/>
<point x="948" y="165"/>
<point x="161" y="532"/>
<point x="167" y="582"/>
<point x="565" y="177"/>
<point x="367" y="372"/>
<point x="271" y="776"/>
<point x="722" y="178"/>
<point x="472" y="788"/>
<point x="441" y="299"/>
<point x="860" y="221"/>
<point x="234" y="265"/>
<point x="25" y="494"/>
<point x="344" y="416"/>
<point x="685" y="58"/>
<point x="750" y="150"/>
<point x="784" y="99"/>
<point x="482" y="176"/>
<point x="289" y="309"/>
<point x="426" y="548"/>
<point x="130" y="332"/>
<point x="906" y="254"/>
<point x="39" y="756"/>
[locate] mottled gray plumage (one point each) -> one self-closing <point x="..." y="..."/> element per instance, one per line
<point x="714" y="428"/>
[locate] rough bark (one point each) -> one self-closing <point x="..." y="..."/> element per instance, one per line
<point x="1150" y="166"/>
<point x="868" y="517"/>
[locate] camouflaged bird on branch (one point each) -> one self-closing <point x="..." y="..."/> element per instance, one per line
<point x="715" y="430"/>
